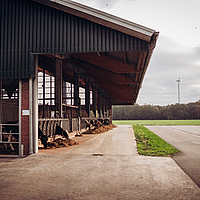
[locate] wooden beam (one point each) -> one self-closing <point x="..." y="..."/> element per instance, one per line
<point x="106" y="63"/>
<point x="107" y="83"/>
<point x="114" y="92"/>
<point x="122" y="98"/>
<point x="141" y="60"/>
<point x="100" y="72"/>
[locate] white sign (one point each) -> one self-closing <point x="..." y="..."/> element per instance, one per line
<point x="25" y="112"/>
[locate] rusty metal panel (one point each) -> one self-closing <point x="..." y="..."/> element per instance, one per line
<point x="29" y="27"/>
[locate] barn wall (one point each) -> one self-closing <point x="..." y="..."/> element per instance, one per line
<point x="28" y="27"/>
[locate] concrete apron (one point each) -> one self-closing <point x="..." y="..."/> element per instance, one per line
<point x="104" y="167"/>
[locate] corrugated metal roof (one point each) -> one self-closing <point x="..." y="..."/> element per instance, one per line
<point x="102" y="18"/>
<point x="30" y="27"/>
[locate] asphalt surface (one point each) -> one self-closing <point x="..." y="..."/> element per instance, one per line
<point x="106" y="166"/>
<point x="187" y="140"/>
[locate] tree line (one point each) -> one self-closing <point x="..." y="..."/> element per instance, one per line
<point x="151" y="112"/>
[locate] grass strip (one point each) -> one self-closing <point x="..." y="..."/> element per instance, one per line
<point x="149" y="144"/>
<point x="157" y="122"/>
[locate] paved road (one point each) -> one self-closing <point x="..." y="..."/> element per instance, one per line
<point x="105" y="167"/>
<point x="187" y="140"/>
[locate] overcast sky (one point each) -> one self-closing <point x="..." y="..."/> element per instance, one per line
<point x="178" y="46"/>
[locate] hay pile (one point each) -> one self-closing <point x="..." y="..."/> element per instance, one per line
<point x="59" y="143"/>
<point x="101" y="129"/>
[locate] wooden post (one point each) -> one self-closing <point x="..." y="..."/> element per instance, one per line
<point x="87" y="97"/>
<point x="99" y="102"/>
<point x="94" y="99"/>
<point x="58" y="84"/>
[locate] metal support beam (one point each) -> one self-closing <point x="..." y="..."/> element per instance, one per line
<point x="44" y="91"/>
<point x="87" y="97"/>
<point x="76" y="89"/>
<point x="110" y="112"/>
<point x="58" y="84"/>
<point x="71" y="110"/>
<point x="103" y="106"/>
<point x="30" y="116"/>
<point x="35" y="106"/>
<point x="76" y="93"/>
<point x="99" y="102"/>
<point x="94" y="99"/>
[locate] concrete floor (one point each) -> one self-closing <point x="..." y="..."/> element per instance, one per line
<point x="105" y="167"/>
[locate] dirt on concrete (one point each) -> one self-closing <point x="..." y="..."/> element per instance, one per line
<point x="101" y="129"/>
<point x="59" y="143"/>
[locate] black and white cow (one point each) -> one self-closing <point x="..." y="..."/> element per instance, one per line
<point x="44" y="137"/>
<point x="62" y="132"/>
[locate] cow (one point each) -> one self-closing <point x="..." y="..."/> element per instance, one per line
<point x="107" y="122"/>
<point x="43" y="138"/>
<point x="62" y="132"/>
<point x="88" y="125"/>
<point x="97" y="123"/>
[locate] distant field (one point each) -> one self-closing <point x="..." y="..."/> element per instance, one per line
<point x="156" y="122"/>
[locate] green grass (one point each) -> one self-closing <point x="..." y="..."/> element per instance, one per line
<point x="156" y="122"/>
<point x="149" y="144"/>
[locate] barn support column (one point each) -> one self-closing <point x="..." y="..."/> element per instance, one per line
<point x="94" y="99"/>
<point x="99" y="101"/>
<point x="110" y="112"/>
<point x="106" y="106"/>
<point x="77" y="101"/>
<point x="44" y="86"/>
<point x="30" y="116"/>
<point x="35" y="106"/>
<point x="58" y="86"/>
<point x="87" y="97"/>
<point x="77" y="70"/>
<point x="88" y="81"/>
<point x="103" y="105"/>
<point x="76" y="93"/>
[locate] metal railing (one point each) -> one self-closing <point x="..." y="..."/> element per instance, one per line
<point x="9" y="140"/>
<point x="48" y="125"/>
